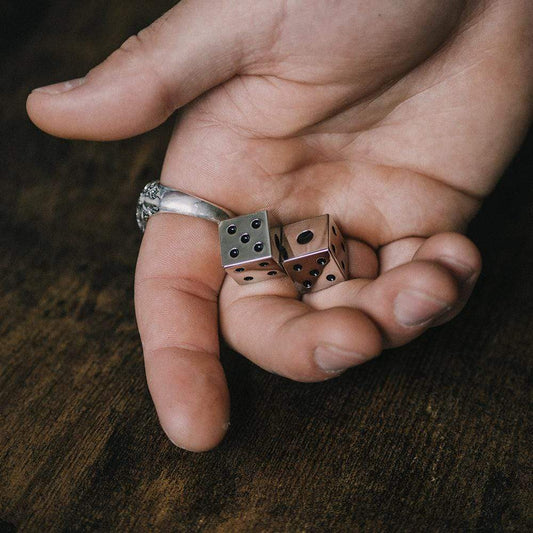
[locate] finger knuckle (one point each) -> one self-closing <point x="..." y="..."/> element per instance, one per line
<point x="138" y="51"/>
<point x="132" y="45"/>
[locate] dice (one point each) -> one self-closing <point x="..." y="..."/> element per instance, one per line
<point x="316" y="255"/>
<point x="250" y="248"/>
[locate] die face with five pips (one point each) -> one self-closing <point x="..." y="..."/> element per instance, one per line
<point x="316" y="253"/>
<point x="250" y="248"/>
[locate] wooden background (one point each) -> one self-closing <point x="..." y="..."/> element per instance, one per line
<point x="431" y="437"/>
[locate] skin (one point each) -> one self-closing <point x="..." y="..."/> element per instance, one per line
<point x="396" y="117"/>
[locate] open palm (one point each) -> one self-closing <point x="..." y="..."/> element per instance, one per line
<point x="395" y="117"/>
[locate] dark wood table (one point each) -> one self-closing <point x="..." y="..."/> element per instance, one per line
<point x="430" y="437"/>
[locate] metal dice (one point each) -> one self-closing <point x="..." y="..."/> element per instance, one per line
<point x="250" y="248"/>
<point x="316" y="255"/>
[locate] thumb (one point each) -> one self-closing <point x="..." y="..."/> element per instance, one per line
<point x="196" y="45"/>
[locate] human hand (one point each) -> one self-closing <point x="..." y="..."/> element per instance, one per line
<point x="397" y="118"/>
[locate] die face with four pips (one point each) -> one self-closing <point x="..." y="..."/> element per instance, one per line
<point x="316" y="255"/>
<point x="250" y="248"/>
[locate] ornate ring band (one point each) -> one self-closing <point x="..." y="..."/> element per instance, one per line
<point x="157" y="198"/>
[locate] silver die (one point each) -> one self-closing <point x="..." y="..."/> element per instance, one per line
<point x="250" y="248"/>
<point x="316" y="253"/>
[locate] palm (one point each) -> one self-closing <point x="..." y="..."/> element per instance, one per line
<point x="316" y="134"/>
<point x="396" y="119"/>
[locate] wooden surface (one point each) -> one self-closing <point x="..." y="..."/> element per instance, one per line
<point x="430" y="437"/>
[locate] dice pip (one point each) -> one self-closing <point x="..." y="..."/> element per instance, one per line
<point x="250" y="248"/>
<point x="316" y="253"/>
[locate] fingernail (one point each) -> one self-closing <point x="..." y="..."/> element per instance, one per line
<point x="333" y="360"/>
<point x="463" y="271"/>
<point x="415" y="308"/>
<point x="58" y="88"/>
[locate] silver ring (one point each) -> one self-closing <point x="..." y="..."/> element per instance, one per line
<point x="157" y="198"/>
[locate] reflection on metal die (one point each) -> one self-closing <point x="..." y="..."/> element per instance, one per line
<point x="250" y="248"/>
<point x="316" y="253"/>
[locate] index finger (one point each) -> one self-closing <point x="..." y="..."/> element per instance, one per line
<point x="177" y="281"/>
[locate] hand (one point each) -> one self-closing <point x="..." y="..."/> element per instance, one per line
<point x="397" y="118"/>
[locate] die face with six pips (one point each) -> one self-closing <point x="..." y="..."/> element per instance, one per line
<point x="250" y="248"/>
<point x="316" y="255"/>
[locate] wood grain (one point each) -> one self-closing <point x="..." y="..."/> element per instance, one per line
<point x="430" y="437"/>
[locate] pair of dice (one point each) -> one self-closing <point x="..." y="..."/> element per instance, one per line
<point x="311" y="252"/>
